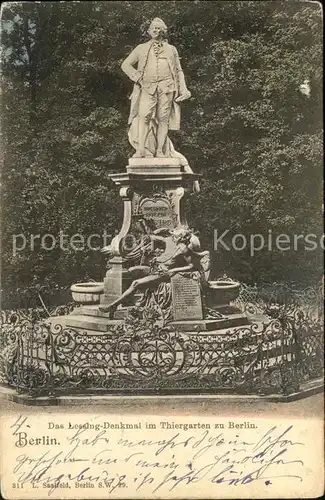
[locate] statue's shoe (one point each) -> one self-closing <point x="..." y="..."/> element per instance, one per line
<point x="139" y="154"/>
<point x="143" y="154"/>
<point x="160" y="154"/>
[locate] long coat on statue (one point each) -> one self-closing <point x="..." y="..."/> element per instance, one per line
<point x="134" y="66"/>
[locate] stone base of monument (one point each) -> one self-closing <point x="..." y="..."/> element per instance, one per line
<point x="96" y="323"/>
<point x="90" y="318"/>
<point x="159" y="170"/>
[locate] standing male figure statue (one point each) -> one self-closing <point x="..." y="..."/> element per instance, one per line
<point x="159" y="85"/>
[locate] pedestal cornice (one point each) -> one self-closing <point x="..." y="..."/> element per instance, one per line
<point x="151" y="175"/>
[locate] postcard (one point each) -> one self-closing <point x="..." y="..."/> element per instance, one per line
<point x="162" y="285"/>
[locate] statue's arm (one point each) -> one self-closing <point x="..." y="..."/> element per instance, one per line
<point x="182" y="269"/>
<point x="183" y="90"/>
<point x="155" y="237"/>
<point x="177" y="61"/>
<point x="128" y="65"/>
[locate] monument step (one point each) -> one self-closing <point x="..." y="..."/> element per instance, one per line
<point x="91" y="323"/>
<point x="92" y="314"/>
<point x="91" y="310"/>
<point x="103" y="324"/>
<point x="161" y="174"/>
<point x="94" y="311"/>
<point x="210" y="324"/>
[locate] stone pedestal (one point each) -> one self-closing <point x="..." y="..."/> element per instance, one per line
<point x="113" y="281"/>
<point x="153" y="192"/>
<point x="154" y="188"/>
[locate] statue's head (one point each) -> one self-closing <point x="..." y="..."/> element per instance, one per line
<point x="157" y="28"/>
<point x="182" y="235"/>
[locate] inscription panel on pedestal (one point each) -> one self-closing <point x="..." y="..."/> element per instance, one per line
<point x="186" y="298"/>
<point x="159" y="211"/>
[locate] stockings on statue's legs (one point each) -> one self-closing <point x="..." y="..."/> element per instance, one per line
<point x="139" y="154"/>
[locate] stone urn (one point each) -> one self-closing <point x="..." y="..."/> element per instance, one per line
<point x="87" y="293"/>
<point x="223" y="291"/>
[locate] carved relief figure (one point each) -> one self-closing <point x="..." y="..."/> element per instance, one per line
<point x="186" y="257"/>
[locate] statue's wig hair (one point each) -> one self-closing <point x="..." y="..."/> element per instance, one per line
<point x="159" y="21"/>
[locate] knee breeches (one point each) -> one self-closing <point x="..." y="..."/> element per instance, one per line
<point x="159" y="105"/>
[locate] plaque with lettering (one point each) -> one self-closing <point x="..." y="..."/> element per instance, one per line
<point x="186" y="298"/>
<point x="158" y="210"/>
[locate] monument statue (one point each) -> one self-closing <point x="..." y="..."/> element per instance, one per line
<point x="159" y="86"/>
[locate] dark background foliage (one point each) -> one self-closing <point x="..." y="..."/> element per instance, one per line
<point x="254" y="137"/>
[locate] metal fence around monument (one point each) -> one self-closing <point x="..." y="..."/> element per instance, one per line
<point x="279" y="354"/>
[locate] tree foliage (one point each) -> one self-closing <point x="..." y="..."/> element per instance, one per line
<point x="254" y="137"/>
